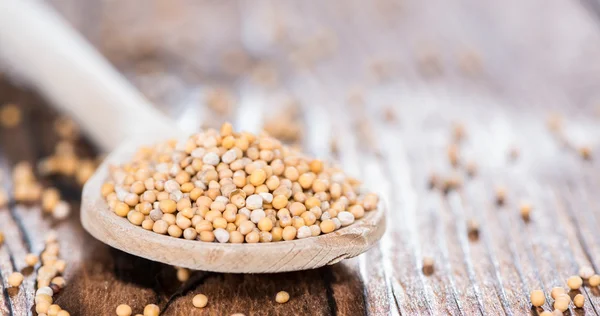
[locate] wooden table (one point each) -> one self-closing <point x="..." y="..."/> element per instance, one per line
<point x="380" y="88"/>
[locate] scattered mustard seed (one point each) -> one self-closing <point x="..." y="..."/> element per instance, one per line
<point x="557" y="291"/>
<point x="574" y="282"/>
<point x="500" y="196"/>
<point x="428" y="267"/>
<point x="545" y="313"/>
<point x="594" y="280"/>
<point x="579" y="300"/>
<point x="282" y="297"/>
<point x="10" y="115"/>
<point x="31" y="259"/>
<point x="200" y="301"/>
<point x="15" y="279"/>
<point x="151" y="310"/>
<point x="183" y="274"/>
<point x="124" y="310"/>
<point x="537" y="298"/>
<point x="473" y="229"/>
<point x="586" y="272"/>
<point x="585" y="152"/>
<point x="525" y="210"/>
<point x="562" y="302"/>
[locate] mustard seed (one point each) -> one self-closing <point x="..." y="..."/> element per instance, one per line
<point x="10" y="115"/>
<point x="525" y="210"/>
<point x="53" y="310"/>
<point x="594" y="280"/>
<point x="579" y="300"/>
<point x="586" y="272"/>
<point x="545" y="313"/>
<point x="537" y="298"/>
<point x="557" y="291"/>
<point x="282" y="297"/>
<point x="31" y="259"/>
<point x="574" y="282"/>
<point x="232" y="187"/>
<point x="562" y="302"/>
<point x="151" y="310"/>
<point x="63" y="313"/>
<point x="428" y="266"/>
<point x="15" y="279"/>
<point x="124" y="310"/>
<point x="473" y="229"/>
<point x="183" y="274"/>
<point x="200" y="301"/>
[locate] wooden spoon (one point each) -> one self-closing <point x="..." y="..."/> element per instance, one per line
<point x="79" y="81"/>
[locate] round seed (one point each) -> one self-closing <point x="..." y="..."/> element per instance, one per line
<point x="562" y="302"/>
<point x="579" y="300"/>
<point x="15" y="279"/>
<point x="124" y="310"/>
<point x="574" y="282"/>
<point x="200" y="301"/>
<point x="282" y="297"/>
<point x="557" y="291"/>
<point x="594" y="280"/>
<point x="537" y="298"/>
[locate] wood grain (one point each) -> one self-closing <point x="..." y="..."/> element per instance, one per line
<point x="499" y="68"/>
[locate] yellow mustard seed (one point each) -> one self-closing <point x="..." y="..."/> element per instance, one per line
<point x="124" y="310"/>
<point x="579" y="300"/>
<point x="537" y="298"/>
<point x="282" y="297"/>
<point x="562" y="302"/>
<point x="15" y="279"/>
<point x="557" y="291"/>
<point x="574" y="282"/>
<point x="63" y="313"/>
<point x="151" y="310"/>
<point x="594" y="280"/>
<point x="10" y="115"/>
<point x="200" y="301"/>
<point x="31" y="259"/>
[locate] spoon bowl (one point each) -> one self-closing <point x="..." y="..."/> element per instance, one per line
<point x="281" y="256"/>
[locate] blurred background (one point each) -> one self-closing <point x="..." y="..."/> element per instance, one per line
<point x="480" y="96"/>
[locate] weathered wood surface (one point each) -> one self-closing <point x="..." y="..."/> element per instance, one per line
<point x="499" y="68"/>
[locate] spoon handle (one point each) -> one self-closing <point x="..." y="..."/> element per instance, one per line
<point x="43" y="50"/>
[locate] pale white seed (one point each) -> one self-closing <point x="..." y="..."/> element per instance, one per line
<point x="303" y="232"/>
<point x="61" y="210"/>
<point x="156" y="214"/>
<point x="586" y="272"/>
<point x="221" y="235"/>
<point x="245" y="211"/>
<point x="229" y="156"/>
<point x="337" y="223"/>
<point x="172" y="186"/>
<point x="257" y="215"/>
<point x="267" y="197"/>
<point x="254" y="201"/>
<point x="176" y="195"/>
<point x="325" y="206"/>
<point x="315" y="230"/>
<point x="211" y="159"/>
<point x="44" y="290"/>
<point x="346" y="218"/>
<point x="222" y="199"/>
<point x="198" y="152"/>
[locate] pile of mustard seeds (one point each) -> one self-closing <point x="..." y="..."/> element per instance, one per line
<point x="233" y="187"/>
